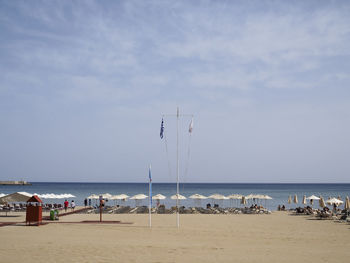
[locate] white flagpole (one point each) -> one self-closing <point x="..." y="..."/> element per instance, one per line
<point x="150" y="197"/>
<point x="177" y="157"/>
<point x="177" y="168"/>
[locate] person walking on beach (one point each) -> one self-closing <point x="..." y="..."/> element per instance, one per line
<point x="72" y="205"/>
<point x="66" y="205"/>
<point x="85" y="202"/>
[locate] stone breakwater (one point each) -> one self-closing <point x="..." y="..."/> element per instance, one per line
<point x="14" y="183"/>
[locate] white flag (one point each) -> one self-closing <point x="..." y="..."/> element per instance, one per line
<point x="191" y="126"/>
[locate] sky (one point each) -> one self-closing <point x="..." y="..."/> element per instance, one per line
<point x="84" y="85"/>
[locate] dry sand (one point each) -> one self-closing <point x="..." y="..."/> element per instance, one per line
<point x="278" y="237"/>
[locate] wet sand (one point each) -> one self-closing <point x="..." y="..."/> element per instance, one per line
<point x="278" y="237"/>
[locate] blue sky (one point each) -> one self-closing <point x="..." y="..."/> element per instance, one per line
<point x="84" y="84"/>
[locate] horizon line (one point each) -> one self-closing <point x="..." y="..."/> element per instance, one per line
<point x="106" y="182"/>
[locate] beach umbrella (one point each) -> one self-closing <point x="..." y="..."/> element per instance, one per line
<point x="266" y="197"/>
<point x="321" y="202"/>
<point x="93" y="196"/>
<point x="347" y="203"/>
<point x="181" y="197"/>
<point x="47" y="196"/>
<point x="290" y="199"/>
<point x="138" y="198"/>
<point x="304" y="200"/>
<point x="295" y="200"/>
<point x="119" y="197"/>
<point x="197" y="198"/>
<point x="335" y="201"/>
<point x="218" y="197"/>
<point x="18" y="197"/>
<point x="106" y="196"/>
<point x="235" y="196"/>
<point x="178" y="197"/>
<point x="158" y="197"/>
<point x="251" y="196"/>
<point x="313" y="197"/>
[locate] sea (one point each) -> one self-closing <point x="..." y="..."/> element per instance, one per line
<point x="278" y="192"/>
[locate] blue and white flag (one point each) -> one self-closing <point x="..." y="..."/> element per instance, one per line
<point x="162" y="129"/>
<point x="150" y="174"/>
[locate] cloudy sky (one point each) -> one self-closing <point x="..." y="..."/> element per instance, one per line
<point x="84" y="84"/>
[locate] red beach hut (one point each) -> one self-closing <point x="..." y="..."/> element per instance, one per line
<point x="34" y="210"/>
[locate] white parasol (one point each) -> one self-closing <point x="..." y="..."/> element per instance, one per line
<point x="181" y="197"/>
<point x="93" y="196"/>
<point x="158" y="197"/>
<point x="335" y="201"/>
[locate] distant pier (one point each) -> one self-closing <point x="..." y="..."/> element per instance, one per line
<point x="14" y="183"/>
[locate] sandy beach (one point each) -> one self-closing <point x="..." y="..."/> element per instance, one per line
<point x="279" y="237"/>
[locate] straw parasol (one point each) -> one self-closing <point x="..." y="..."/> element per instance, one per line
<point x="304" y="200"/>
<point x="290" y="199"/>
<point x="18" y="197"/>
<point x="295" y="200"/>
<point x="243" y="201"/>
<point x="321" y="202"/>
<point x="347" y="203"/>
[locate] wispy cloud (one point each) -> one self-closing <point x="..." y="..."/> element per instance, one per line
<point x="120" y="58"/>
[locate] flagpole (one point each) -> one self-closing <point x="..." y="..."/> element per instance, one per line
<point x="150" y="197"/>
<point x="177" y="169"/>
<point x="177" y="156"/>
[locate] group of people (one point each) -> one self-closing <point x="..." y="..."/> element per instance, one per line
<point x="281" y="208"/>
<point x="66" y="205"/>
